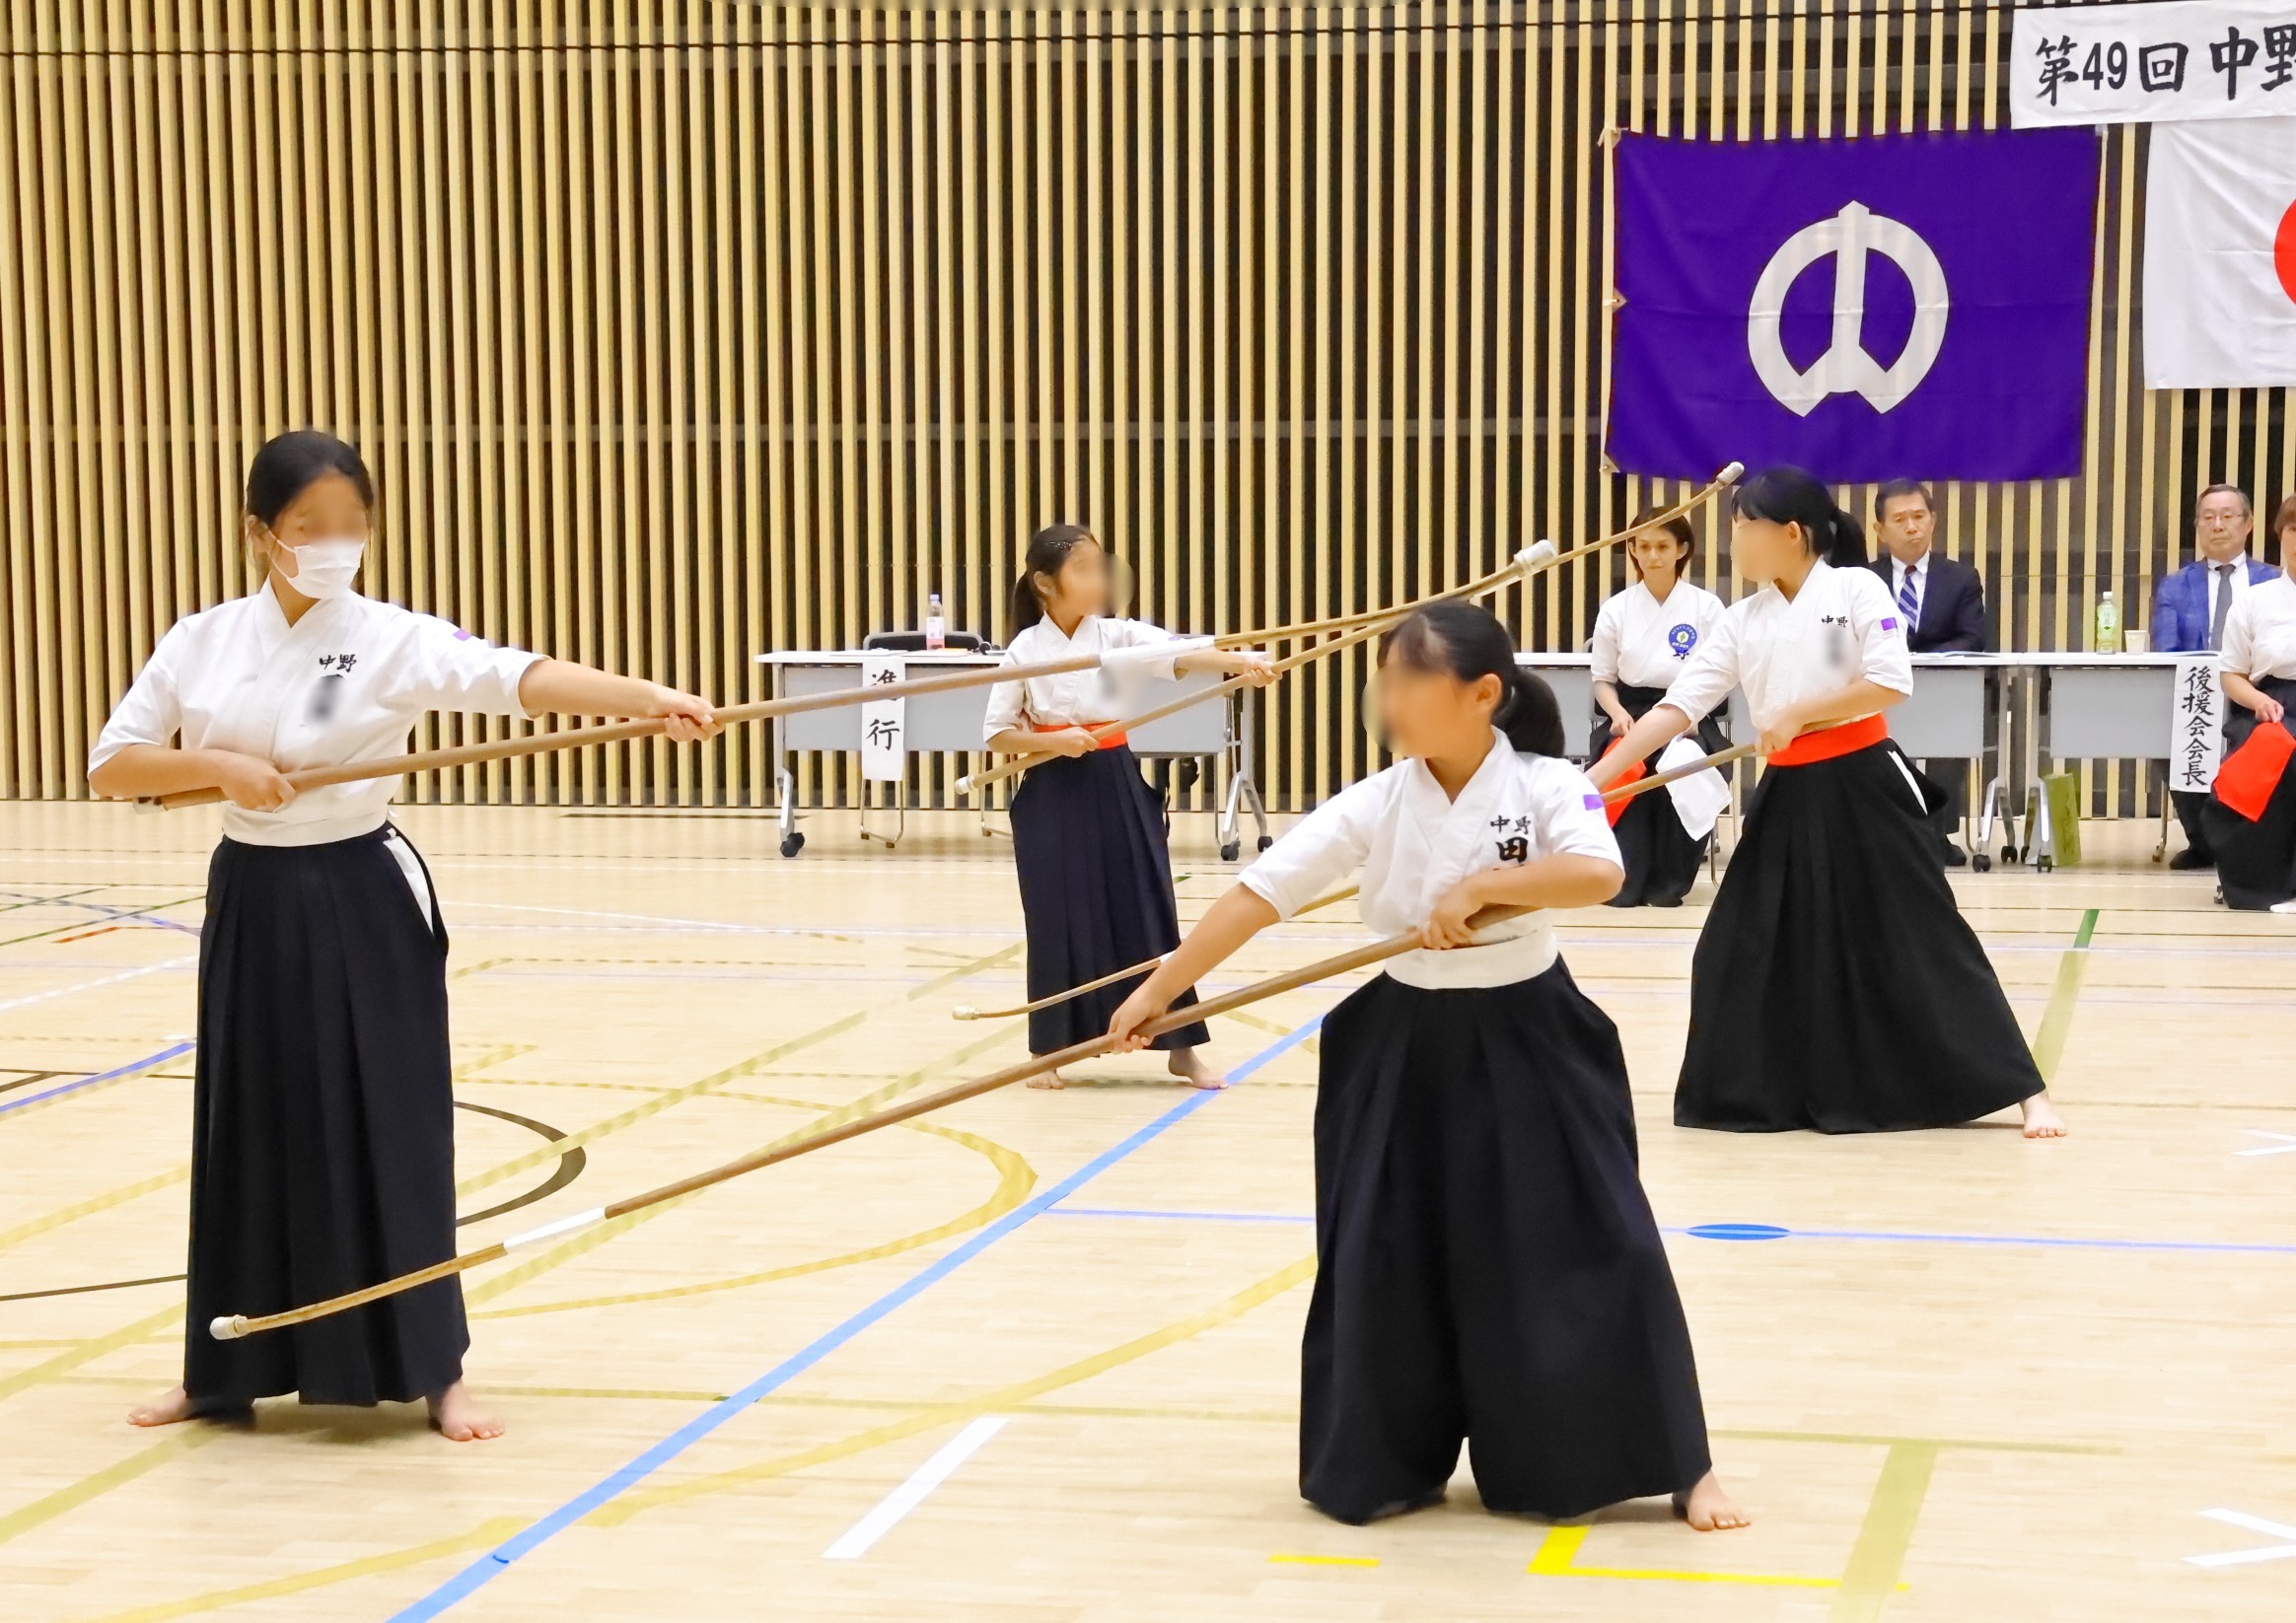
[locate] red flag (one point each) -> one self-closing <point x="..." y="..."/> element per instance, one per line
<point x="1618" y="808"/>
<point x="2249" y="775"/>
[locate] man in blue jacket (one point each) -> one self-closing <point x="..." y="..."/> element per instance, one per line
<point x="2189" y="611"/>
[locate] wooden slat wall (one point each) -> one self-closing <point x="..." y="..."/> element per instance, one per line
<point x="675" y="331"/>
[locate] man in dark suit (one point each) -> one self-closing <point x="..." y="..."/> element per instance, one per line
<point x="2188" y="611"/>
<point x="1944" y="599"/>
<point x="1942" y="602"/>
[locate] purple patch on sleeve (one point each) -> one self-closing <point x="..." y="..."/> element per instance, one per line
<point x="1889" y="622"/>
<point x="1594" y="803"/>
<point x="464" y="636"/>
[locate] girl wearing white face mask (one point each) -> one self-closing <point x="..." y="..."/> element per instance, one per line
<point x="323" y="1130"/>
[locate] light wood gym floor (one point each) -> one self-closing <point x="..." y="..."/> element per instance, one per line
<point x="1963" y="1377"/>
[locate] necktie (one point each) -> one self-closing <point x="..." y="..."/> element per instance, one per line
<point x="2223" y="606"/>
<point x="1910" y="597"/>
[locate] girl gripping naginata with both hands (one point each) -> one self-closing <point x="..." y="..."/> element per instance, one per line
<point x="1488" y="1266"/>
<point x="1088" y="832"/>
<point x="323" y="1155"/>
<point x="1836" y="985"/>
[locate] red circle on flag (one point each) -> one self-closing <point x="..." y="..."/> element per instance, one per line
<point x="2284" y="253"/>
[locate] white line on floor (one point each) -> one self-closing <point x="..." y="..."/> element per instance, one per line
<point x="910" y="1494"/>
<point x="2252" y="1524"/>
<point x="107" y="980"/>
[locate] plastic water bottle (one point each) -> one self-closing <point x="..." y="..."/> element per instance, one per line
<point x="2108" y="639"/>
<point x="936" y="628"/>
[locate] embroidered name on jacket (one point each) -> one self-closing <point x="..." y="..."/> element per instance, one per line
<point x="328" y="689"/>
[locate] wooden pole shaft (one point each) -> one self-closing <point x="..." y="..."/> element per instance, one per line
<point x="1362" y="627"/>
<point x="1625" y="792"/>
<point x="965" y="1012"/>
<point x="231" y="1327"/>
<point x="1675" y="774"/>
<point x="1358" y="628"/>
<point x="473" y="755"/>
<point x="1018" y="764"/>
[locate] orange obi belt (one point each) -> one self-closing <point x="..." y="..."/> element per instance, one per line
<point x="1829" y="741"/>
<point x="1109" y="743"/>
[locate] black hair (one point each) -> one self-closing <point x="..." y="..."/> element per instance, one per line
<point x="2247" y="511"/>
<point x="1891" y="489"/>
<point x="291" y="464"/>
<point x="1675" y="525"/>
<point x="1048" y="550"/>
<point x="1461" y="641"/>
<point x="1787" y="495"/>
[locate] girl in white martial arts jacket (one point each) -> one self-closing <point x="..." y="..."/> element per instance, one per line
<point x="1836" y="985"/>
<point x="1490" y="1271"/>
<point x="322" y="1155"/>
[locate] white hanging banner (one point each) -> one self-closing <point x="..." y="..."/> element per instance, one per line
<point x="884" y="722"/>
<point x="2142" y="64"/>
<point x="2196" y="725"/>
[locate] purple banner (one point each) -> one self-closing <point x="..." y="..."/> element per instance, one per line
<point x="1891" y="305"/>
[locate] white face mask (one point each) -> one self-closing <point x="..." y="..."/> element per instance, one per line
<point x="325" y="569"/>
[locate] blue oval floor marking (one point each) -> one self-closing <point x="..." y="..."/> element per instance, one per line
<point x="1738" y="1230"/>
<point x="2081" y="1242"/>
<point x="495" y="1562"/>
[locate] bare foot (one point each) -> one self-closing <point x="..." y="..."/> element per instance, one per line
<point x="1048" y="1079"/>
<point x="1708" y="1508"/>
<point x="2042" y="1119"/>
<point x="1189" y="1067"/>
<point x="170" y="1408"/>
<point x="456" y="1415"/>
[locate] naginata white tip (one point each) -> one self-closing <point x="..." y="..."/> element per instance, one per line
<point x="550" y="1230"/>
<point x="229" y="1327"/>
<point x="965" y="785"/>
<point x="1537" y="553"/>
<point x="1731" y="474"/>
<point x="964" y="1011"/>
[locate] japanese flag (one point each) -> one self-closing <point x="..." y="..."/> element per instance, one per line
<point x="2220" y="254"/>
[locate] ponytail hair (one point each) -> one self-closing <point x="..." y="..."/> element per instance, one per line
<point x="1048" y="550"/>
<point x="1466" y="642"/>
<point x="1787" y="495"/>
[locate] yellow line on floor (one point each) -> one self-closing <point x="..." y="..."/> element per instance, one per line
<point x="180" y="1440"/>
<point x="1557" y="1557"/>
<point x="479" y="1538"/>
<point x="178" y="1174"/>
<point x="1879" y="1555"/>
<point x="91" y="1205"/>
<point x="566" y="1251"/>
<point x="1015" y="1180"/>
<point x="1284" y="1558"/>
<point x="87" y="1352"/>
<point x="2056" y="1020"/>
<point x="927" y="1419"/>
<point x="1002" y="1399"/>
<point x="661" y="1101"/>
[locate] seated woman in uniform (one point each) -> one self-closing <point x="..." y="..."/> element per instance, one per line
<point x="1642" y="636"/>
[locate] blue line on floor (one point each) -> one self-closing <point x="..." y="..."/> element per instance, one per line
<point x="2062" y="1242"/>
<point x="147" y="915"/>
<point x="1193" y="1217"/>
<point x="127" y="1070"/>
<point x="496" y="1560"/>
<point x="1759" y="1231"/>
